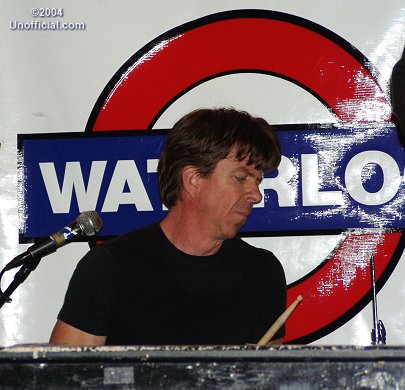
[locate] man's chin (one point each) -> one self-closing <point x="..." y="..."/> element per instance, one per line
<point x="238" y="226"/>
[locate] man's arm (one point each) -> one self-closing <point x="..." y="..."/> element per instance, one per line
<point x="64" y="334"/>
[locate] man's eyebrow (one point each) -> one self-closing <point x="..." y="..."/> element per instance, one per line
<point x="258" y="177"/>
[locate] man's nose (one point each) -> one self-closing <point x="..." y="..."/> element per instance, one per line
<point x="253" y="194"/>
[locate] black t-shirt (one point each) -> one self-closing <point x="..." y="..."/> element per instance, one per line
<point x="138" y="289"/>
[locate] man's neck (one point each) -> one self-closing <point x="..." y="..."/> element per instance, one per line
<point x="184" y="232"/>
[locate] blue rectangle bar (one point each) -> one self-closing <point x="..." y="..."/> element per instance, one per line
<point x="329" y="179"/>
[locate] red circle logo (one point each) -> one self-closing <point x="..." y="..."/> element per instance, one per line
<point x="288" y="47"/>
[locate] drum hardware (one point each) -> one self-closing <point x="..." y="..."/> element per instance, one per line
<point x="378" y="333"/>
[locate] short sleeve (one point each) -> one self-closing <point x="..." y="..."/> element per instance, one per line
<point x="91" y="295"/>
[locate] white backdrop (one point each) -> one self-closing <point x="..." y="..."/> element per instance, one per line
<point x="50" y="81"/>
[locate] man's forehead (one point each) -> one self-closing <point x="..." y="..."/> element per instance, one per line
<point x="232" y="155"/>
<point x="243" y="164"/>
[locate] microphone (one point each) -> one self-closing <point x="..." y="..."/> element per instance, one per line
<point x="86" y="224"/>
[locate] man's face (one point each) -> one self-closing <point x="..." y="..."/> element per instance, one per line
<point x="225" y="199"/>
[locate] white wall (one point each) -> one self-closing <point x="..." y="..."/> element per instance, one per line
<point x="50" y="81"/>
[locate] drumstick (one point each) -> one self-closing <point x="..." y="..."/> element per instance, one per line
<point x="279" y="322"/>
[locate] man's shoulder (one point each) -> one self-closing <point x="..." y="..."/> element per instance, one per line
<point x="254" y="254"/>
<point x="143" y="236"/>
<point x="138" y="242"/>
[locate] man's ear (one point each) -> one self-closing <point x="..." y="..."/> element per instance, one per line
<point x="191" y="180"/>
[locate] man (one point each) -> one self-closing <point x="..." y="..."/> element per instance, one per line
<point x="188" y="279"/>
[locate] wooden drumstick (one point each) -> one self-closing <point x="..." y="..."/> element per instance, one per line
<point x="279" y="322"/>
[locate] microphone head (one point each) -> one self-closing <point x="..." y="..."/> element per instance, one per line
<point x="90" y="223"/>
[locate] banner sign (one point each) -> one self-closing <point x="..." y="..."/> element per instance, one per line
<point x="318" y="185"/>
<point x="343" y="178"/>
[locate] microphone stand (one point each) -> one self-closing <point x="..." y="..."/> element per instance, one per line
<point x="378" y="334"/>
<point x="30" y="264"/>
<point x="86" y="224"/>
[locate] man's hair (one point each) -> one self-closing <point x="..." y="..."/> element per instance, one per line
<point x="204" y="137"/>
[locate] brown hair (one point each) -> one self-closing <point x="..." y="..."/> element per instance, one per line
<point x="204" y="137"/>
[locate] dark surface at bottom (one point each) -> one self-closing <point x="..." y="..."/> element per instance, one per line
<point x="203" y="368"/>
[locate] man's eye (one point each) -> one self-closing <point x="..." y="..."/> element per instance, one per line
<point x="240" y="178"/>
